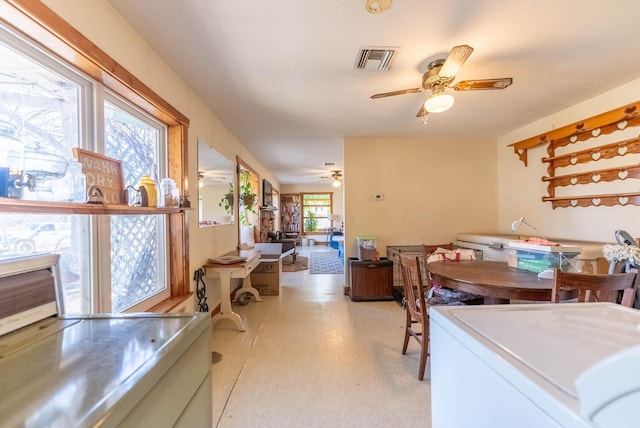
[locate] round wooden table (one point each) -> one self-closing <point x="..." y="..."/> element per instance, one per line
<point x="496" y="281"/>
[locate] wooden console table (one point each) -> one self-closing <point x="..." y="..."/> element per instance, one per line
<point x="224" y="272"/>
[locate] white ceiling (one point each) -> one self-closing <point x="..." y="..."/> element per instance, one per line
<point x="279" y="74"/>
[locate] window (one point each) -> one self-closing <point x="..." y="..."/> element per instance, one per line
<point x="138" y="250"/>
<point x="316" y="208"/>
<point x="108" y="263"/>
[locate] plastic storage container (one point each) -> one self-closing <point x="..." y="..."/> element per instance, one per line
<point x="536" y="258"/>
<point x="367" y="246"/>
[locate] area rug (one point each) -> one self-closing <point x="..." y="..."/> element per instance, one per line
<point x="302" y="263"/>
<point x="326" y="262"/>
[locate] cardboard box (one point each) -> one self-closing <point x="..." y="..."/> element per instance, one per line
<point x="266" y="277"/>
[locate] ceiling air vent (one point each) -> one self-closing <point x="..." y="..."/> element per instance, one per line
<point x="375" y="59"/>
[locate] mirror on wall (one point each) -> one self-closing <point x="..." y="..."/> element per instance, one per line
<point x="215" y="187"/>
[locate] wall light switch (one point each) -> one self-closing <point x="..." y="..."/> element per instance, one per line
<point x="378" y="196"/>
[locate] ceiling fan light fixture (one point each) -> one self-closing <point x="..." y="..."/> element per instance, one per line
<point x="378" y="6"/>
<point x="438" y="102"/>
<point x="337" y="179"/>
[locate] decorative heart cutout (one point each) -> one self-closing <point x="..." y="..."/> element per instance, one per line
<point x="595" y="132"/>
<point x="622" y="124"/>
<point x="595" y="201"/>
<point x="573" y="160"/>
<point x="623" y="174"/>
<point x="623" y="200"/>
<point x="573" y="202"/>
<point x="622" y="150"/>
<point x="521" y="151"/>
<point x="573" y="180"/>
<point x="573" y="138"/>
<point x="595" y="155"/>
<point x="595" y="178"/>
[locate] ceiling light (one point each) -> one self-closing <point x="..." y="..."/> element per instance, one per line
<point x="438" y="102"/>
<point x="378" y="6"/>
<point x="337" y="179"/>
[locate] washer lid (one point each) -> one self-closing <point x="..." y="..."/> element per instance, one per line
<point x="556" y="341"/>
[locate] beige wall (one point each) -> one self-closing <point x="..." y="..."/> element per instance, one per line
<point x="99" y="22"/>
<point x="521" y="188"/>
<point x="433" y="189"/>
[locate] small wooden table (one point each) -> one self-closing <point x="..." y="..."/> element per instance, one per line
<point x="225" y="272"/>
<point x="496" y="281"/>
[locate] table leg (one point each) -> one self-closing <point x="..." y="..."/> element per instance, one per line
<point x="225" y="303"/>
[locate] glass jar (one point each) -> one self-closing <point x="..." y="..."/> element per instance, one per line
<point x="72" y="187"/>
<point x="169" y="194"/>
<point x="77" y="182"/>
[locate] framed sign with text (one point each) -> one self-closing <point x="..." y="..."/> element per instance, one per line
<point x="103" y="172"/>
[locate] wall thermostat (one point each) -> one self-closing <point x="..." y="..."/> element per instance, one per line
<point x="378" y="196"/>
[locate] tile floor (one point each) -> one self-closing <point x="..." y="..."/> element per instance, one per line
<point x="313" y="358"/>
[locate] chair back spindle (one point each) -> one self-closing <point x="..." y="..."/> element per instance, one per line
<point x="596" y="287"/>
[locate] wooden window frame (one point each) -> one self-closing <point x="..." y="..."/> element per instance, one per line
<point x="38" y="23"/>
<point x="302" y="216"/>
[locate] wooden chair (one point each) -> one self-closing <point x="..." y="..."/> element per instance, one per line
<point x="416" y="305"/>
<point x="596" y="287"/>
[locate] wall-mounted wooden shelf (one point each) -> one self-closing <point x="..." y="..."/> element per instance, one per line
<point x="41" y="207"/>
<point x="607" y="200"/>
<point x="608" y="151"/>
<point x="607" y="175"/>
<point x="602" y="124"/>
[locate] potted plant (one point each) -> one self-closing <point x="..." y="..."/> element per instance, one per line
<point x="311" y="222"/>
<point x="227" y="200"/>
<point x="248" y="198"/>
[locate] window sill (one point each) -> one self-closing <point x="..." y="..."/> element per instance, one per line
<point x="171" y="303"/>
<point x="22" y="206"/>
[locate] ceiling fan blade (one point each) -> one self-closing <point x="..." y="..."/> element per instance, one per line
<point x="483" y="84"/>
<point x="404" y="91"/>
<point x="456" y="58"/>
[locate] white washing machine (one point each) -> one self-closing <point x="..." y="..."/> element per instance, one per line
<point x="535" y="365"/>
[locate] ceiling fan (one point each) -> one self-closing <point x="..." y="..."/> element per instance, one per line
<point x="336" y="177"/>
<point x="440" y="75"/>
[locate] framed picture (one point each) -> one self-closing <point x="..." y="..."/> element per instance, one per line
<point x="104" y="174"/>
